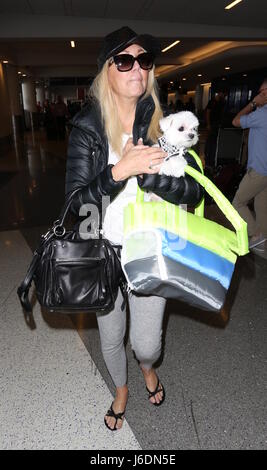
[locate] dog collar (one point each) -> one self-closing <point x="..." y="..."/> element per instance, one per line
<point x="170" y="149"/>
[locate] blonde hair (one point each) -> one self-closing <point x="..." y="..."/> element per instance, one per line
<point x="101" y="90"/>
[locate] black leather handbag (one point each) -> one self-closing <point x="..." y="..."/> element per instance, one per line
<point x="73" y="275"/>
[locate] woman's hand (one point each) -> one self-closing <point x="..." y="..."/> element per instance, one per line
<point x="138" y="159"/>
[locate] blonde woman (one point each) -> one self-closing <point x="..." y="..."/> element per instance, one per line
<point x="110" y="153"/>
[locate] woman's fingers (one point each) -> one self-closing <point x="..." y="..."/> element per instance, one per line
<point x="157" y="158"/>
<point x="142" y="158"/>
<point x="153" y="158"/>
<point x="155" y="161"/>
<point x="152" y="169"/>
<point x="151" y="154"/>
<point x="129" y="144"/>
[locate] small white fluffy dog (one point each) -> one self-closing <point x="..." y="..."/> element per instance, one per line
<point x="180" y="132"/>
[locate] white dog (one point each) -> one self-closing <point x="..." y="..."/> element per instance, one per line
<point x="180" y="132"/>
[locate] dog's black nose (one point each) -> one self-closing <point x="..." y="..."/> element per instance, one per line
<point x="191" y="136"/>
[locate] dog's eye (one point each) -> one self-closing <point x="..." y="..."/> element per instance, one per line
<point x="181" y="129"/>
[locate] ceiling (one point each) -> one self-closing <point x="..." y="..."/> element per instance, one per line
<point x="248" y="13"/>
<point x="35" y="35"/>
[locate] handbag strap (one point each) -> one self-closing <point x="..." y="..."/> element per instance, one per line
<point x="66" y="207"/>
<point x="222" y="202"/>
<point x="24" y="287"/>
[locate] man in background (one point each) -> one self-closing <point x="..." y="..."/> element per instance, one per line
<point x="254" y="183"/>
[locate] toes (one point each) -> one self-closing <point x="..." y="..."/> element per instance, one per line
<point x="119" y="424"/>
<point x="110" y="422"/>
<point x="160" y="398"/>
<point x="157" y="398"/>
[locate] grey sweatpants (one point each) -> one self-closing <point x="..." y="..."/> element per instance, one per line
<point x="146" y="316"/>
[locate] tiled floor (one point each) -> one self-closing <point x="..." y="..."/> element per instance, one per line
<point x="54" y="384"/>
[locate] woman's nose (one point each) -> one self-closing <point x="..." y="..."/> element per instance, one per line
<point x="136" y="65"/>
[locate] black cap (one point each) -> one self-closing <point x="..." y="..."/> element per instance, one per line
<point x="118" y="40"/>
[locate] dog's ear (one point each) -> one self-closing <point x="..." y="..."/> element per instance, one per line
<point x="166" y="122"/>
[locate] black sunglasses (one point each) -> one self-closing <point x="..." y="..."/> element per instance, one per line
<point x="125" y="62"/>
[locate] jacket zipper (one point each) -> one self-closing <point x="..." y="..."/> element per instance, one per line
<point x="75" y="260"/>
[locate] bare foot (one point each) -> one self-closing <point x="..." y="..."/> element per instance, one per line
<point x="118" y="405"/>
<point x="151" y="380"/>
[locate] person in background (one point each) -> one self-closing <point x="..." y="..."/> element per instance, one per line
<point x="190" y="106"/>
<point x="49" y="121"/>
<point x="39" y="113"/>
<point x="179" y="106"/>
<point x="254" y="184"/>
<point x="60" y="112"/>
<point x="171" y="107"/>
<point x="214" y="115"/>
<point x="39" y="107"/>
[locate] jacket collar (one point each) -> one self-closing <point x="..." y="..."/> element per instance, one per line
<point x="89" y="119"/>
<point x="143" y="115"/>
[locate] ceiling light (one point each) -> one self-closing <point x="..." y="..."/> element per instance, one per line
<point x="223" y="78"/>
<point x="171" y="45"/>
<point x="72" y="43"/>
<point x="233" y="4"/>
<point x="199" y="74"/>
<point x="19" y="73"/>
<point x="184" y="78"/>
<point x="24" y="75"/>
<point x="5" y="61"/>
<point x="227" y="68"/>
<point x="245" y="74"/>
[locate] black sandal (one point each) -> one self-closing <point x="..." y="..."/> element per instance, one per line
<point x="158" y="389"/>
<point x="112" y="414"/>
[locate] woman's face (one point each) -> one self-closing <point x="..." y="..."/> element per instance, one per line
<point x="130" y="84"/>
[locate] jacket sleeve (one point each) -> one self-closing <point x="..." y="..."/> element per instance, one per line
<point x="87" y="169"/>
<point x="183" y="190"/>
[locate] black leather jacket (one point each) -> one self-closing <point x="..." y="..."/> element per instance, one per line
<point x="88" y="169"/>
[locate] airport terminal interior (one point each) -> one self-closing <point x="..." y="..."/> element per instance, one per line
<point x="55" y="387"/>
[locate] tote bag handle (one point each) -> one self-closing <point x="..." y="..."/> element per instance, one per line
<point x="222" y="202"/>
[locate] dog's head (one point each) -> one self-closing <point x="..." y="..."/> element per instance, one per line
<point x="180" y="129"/>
